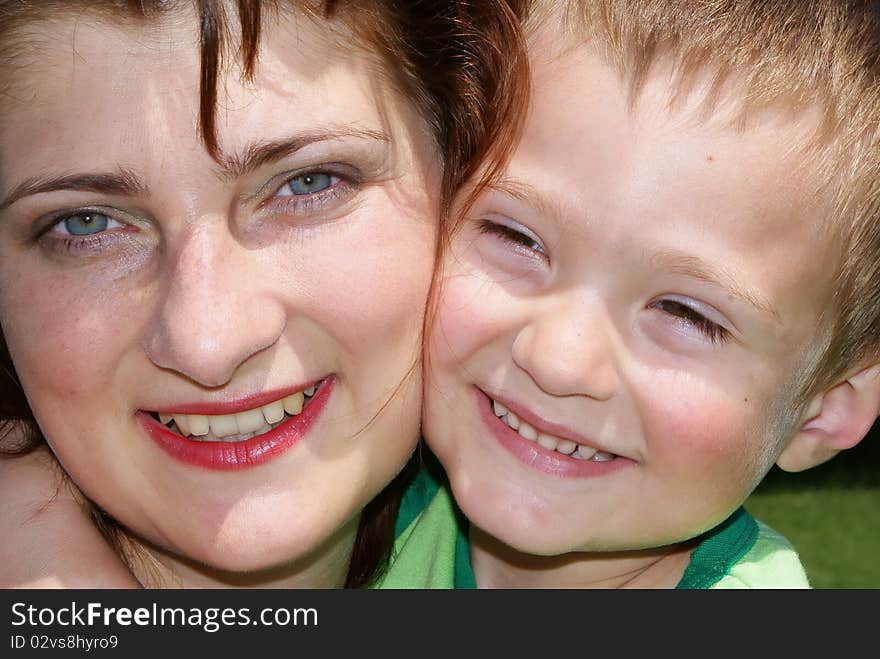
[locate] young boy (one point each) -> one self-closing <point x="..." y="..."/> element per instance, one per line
<point x="674" y="286"/>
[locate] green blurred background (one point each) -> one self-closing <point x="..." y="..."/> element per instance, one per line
<point x="831" y="514"/>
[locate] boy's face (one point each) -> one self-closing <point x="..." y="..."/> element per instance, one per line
<point x="642" y="284"/>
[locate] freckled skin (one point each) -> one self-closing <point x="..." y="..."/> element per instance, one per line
<point x="571" y="331"/>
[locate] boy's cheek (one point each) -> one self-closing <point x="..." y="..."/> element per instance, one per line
<point x="468" y="319"/>
<point x="708" y="435"/>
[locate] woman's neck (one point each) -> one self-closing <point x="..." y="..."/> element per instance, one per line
<point x="497" y="565"/>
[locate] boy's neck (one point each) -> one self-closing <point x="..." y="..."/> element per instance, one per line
<point x="496" y="565"/>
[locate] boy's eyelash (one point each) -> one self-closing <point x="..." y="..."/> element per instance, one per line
<point x="712" y="331"/>
<point x="510" y="235"/>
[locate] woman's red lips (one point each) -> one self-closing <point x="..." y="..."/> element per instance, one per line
<point x="233" y="455"/>
<point x="239" y="404"/>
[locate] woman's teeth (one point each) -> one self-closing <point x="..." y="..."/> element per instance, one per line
<point x="240" y="426"/>
<point x="549" y="442"/>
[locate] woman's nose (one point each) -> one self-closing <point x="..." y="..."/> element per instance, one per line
<point x="218" y="308"/>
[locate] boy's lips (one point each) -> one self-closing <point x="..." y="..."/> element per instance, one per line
<point x="243" y="434"/>
<point x="540" y="424"/>
<point x="546" y="446"/>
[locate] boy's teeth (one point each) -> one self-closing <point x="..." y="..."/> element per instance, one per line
<point x="512" y="420"/>
<point x="564" y="446"/>
<point x="547" y="442"/>
<point x="526" y="431"/>
<point x="583" y="452"/>
<point x="242" y="425"/>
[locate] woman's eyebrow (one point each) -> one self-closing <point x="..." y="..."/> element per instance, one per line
<point x="260" y="153"/>
<point x="120" y="182"/>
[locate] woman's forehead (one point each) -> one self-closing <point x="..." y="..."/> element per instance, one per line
<point x="107" y="93"/>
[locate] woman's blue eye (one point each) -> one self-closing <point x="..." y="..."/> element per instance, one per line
<point x="307" y="184"/>
<point x="86" y="224"/>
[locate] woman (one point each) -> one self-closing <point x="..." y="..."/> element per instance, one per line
<point x="218" y="331"/>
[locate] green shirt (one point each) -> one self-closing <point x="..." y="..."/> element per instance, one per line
<point x="432" y="550"/>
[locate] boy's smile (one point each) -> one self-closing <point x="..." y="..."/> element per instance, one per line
<point x="644" y="286"/>
<point x="549" y="447"/>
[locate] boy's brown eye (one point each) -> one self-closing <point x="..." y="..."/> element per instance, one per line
<point x="713" y="331"/>
<point x="678" y="309"/>
<point x="511" y="235"/>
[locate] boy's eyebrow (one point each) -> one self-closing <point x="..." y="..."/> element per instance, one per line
<point x="527" y="193"/>
<point x="260" y="153"/>
<point x="120" y="182"/>
<point x="688" y="265"/>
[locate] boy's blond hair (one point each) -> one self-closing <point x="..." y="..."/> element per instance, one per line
<point x="804" y="55"/>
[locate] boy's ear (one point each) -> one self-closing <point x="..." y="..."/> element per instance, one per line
<point x="837" y="419"/>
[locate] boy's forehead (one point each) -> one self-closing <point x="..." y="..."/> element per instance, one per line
<point x="689" y="123"/>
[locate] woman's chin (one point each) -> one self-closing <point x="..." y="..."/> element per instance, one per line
<point x="244" y="562"/>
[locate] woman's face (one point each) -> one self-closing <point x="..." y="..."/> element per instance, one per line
<point x="147" y="290"/>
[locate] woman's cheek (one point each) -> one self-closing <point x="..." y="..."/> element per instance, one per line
<point x="65" y="336"/>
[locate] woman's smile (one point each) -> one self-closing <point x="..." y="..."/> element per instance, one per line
<point x="237" y="440"/>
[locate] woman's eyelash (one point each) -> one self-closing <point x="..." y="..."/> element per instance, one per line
<point x="712" y="331"/>
<point x="510" y="235"/>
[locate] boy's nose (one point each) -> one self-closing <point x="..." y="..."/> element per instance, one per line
<point x="567" y="349"/>
<point x="217" y="310"/>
